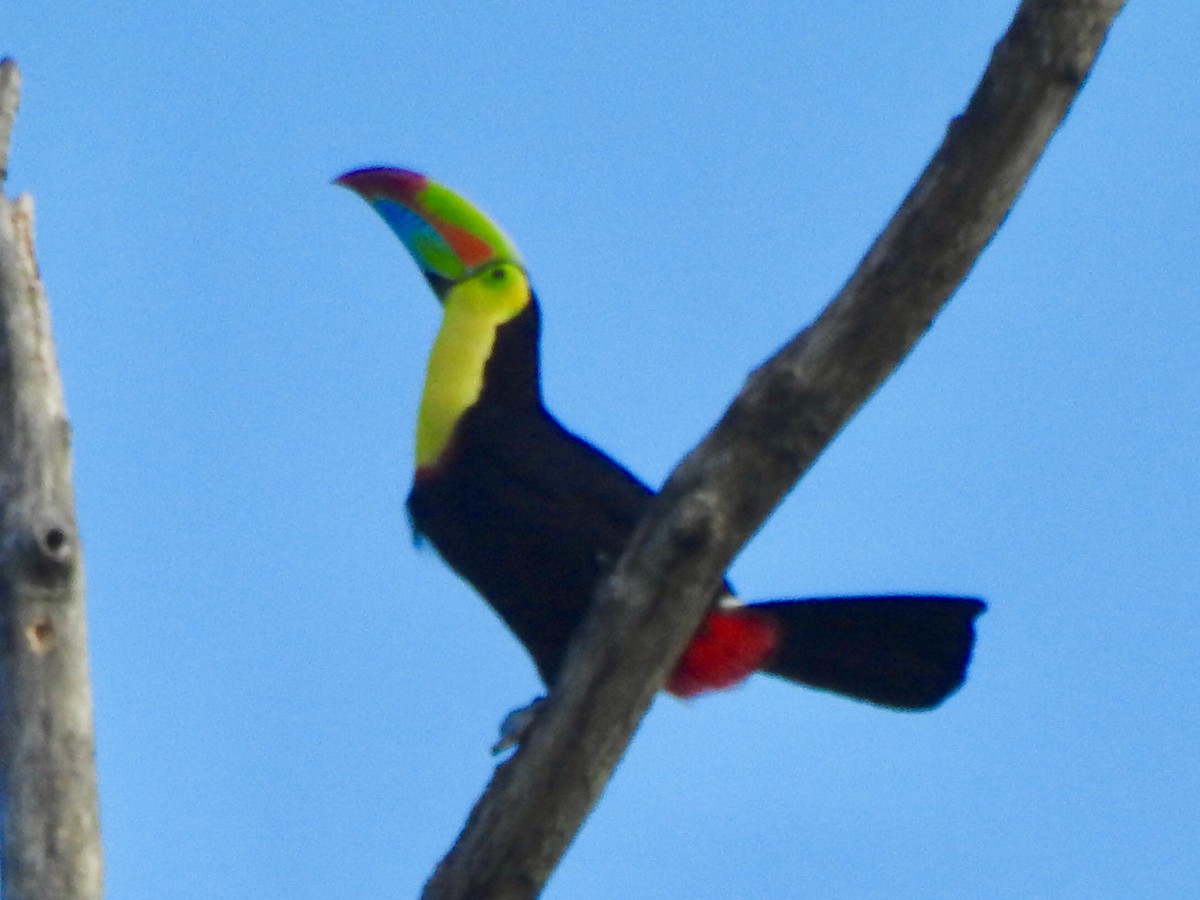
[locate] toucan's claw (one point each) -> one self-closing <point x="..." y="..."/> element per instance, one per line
<point x="515" y="725"/>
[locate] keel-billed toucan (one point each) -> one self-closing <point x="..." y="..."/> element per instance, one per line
<point x="532" y="516"/>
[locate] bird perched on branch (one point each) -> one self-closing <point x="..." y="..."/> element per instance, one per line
<point x="532" y="516"/>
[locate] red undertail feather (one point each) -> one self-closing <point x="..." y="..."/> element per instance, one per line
<point x="730" y="645"/>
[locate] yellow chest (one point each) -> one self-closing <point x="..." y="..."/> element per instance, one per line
<point x="472" y="311"/>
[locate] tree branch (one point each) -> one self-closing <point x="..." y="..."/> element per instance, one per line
<point x="51" y="830"/>
<point x="788" y="411"/>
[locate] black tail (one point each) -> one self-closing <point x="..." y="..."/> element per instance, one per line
<point x="902" y="652"/>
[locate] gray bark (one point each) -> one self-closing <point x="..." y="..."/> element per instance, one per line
<point x="788" y="411"/>
<point x="51" y="828"/>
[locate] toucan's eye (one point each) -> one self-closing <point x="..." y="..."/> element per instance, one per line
<point x="498" y="274"/>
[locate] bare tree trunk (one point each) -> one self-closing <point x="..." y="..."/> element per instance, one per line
<point x="789" y="410"/>
<point x="51" y="824"/>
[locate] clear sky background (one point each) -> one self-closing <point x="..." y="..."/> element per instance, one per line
<point x="293" y="702"/>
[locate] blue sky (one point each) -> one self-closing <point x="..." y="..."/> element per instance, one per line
<point x="294" y="702"/>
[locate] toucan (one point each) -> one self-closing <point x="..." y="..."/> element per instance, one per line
<point x="533" y="516"/>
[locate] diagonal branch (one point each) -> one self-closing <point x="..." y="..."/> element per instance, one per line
<point x="788" y="411"/>
<point x="50" y="838"/>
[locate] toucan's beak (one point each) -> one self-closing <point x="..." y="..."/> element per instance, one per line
<point x="448" y="237"/>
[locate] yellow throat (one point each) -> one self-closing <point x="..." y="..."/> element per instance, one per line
<point x="472" y="311"/>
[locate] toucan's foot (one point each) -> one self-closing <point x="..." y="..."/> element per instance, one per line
<point x="515" y="724"/>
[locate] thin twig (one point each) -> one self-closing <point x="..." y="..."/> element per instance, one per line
<point x="10" y="96"/>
